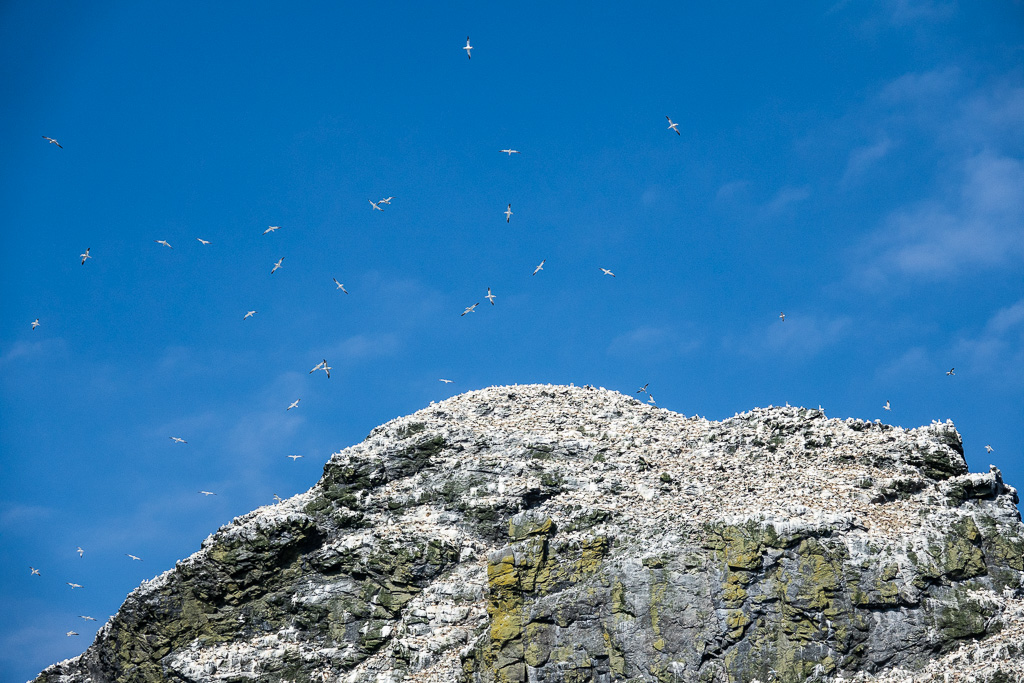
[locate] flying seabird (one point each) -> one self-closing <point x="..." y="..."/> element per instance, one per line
<point x="272" y="228"/>
<point x="72" y="633"/>
<point x="468" y="48"/>
<point x="340" y="286"/>
<point x="294" y="457"/>
<point x="317" y="367"/>
<point x="35" y="323"/>
<point x="202" y="241"/>
<point x="508" y="213"/>
<point x="208" y="493"/>
<point x="177" y="439"/>
<point x="988" y="449"/>
<point x="540" y="267"/>
<point x="277" y="265"/>
<point x="52" y="141"/>
<point x="607" y="272"/>
<point x="164" y="242"/>
<point x="782" y="316"/>
<point x="886" y="406"/>
<point x="85" y="255"/>
<point x="295" y="404"/>
<point x="327" y="369"/>
<point x="374" y="204"/>
<point x="278" y="499"/>
<point x="82" y="616"/>
<point x="650" y="398"/>
<point x="73" y="585"/>
<point x="673" y="126"/>
<point x="446" y="381"/>
<point x="134" y="557"/>
<point x="34" y="571"/>
<point x="470" y="309"/>
<point x="643" y="389"/>
<point x="950" y="371"/>
<point x="249" y="315"/>
<point x="490" y="297"/>
<point x="81" y="552"/>
<point x="386" y="200"/>
<point x="510" y="152"/>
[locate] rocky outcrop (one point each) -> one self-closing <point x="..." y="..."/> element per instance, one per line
<point x="548" y="533"/>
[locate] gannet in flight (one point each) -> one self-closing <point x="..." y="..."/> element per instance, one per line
<point x="673" y="126"/>
<point x="988" y="449"/>
<point x="35" y="323"/>
<point x="72" y="633"/>
<point x="950" y="371"/>
<point x="52" y="141"/>
<point x="295" y="404"/>
<point x="134" y="557"/>
<point x="490" y="297"/>
<point x="272" y="228"/>
<point x="277" y="265"/>
<point x="508" y="213"/>
<point x="294" y="457"/>
<point x="471" y="309"/>
<point x="643" y="389"/>
<point x="73" y="585"/>
<point x="81" y="552"/>
<point x="317" y="367"/>
<point x="386" y="200"/>
<point x="34" y="571"/>
<point x="782" y="316"/>
<point x="509" y="152"/>
<point x="322" y="366"/>
<point x="177" y="439"/>
<point x="85" y="255"/>
<point x="446" y="381"/>
<point x="650" y="399"/>
<point x="208" y="493"/>
<point x="540" y="267"/>
<point x="249" y="315"/>
<point x="202" y="241"/>
<point x="607" y="272"/>
<point x="340" y="286"/>
<point x="468" y="48"/>
<point x="374" y="205"/>
<point x="886" y="406"/>
<point x="82" y="616"/>
<point x="164" y="242"/>
<point x="278" y="499"/>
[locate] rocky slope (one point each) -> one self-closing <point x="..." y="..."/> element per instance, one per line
<point x="551" y="533"/>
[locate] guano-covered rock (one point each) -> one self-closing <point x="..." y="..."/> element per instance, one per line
<point x="564" y="534"/>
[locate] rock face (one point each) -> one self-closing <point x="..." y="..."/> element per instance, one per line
<point x="551" y="533"/>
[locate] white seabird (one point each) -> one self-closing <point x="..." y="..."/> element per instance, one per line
<point x="294" y="457"/>
<point x="208" y="493"/>
<point x="85" y="255"/>
<point x="35" y="323"/>
<point x="540" y="267"/>
<point x="249" y="315"/>
<point x="446" y="381"/>
<point x="134" y="557"/>
<point x="509" y="152"/>
<point x="295" y="404"/>
<point x="52" y="141"/>
<point x="202" y="241"/>
<point x="177" y="439"/>
<point x="375" y="204"/>
<point x="673" y="126"/>
<point x="340" y="286"/>
<point x="471" y="309"/>
<point x="272" y="228"/>
<point x="165" y="243"/>
<point x="468" y="48"/>
<point x="277" y="265"/>
<point x="490" y="297"/>
<point x="508" y="213"/>
<point x="607" y="272"/>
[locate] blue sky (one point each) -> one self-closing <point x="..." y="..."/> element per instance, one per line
<point x="858" y="166"/>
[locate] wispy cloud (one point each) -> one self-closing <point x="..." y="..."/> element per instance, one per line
<point x="998" y="349"/>
<point x="731" y="190"/>
<point x="655" y="342"/>
<point x="862" y="158"/>
<point x="786" y="197"/>
<point x="800" y="335"/>
<point x="978" y="225"/>
<point x="12" y="516"/>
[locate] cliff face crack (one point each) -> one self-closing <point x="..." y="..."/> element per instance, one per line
<point x="557" y="534"/>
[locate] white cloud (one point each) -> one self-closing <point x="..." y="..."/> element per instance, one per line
<point x="998" y="350"/>
<point x="978" y="225"/>
<point x="863" y="157"/>
<point x="786" y="196"/>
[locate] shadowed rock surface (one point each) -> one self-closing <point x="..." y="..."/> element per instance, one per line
<point x="551" y="533"/>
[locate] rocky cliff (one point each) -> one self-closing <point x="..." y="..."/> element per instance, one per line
<point x="551" y="533"/>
